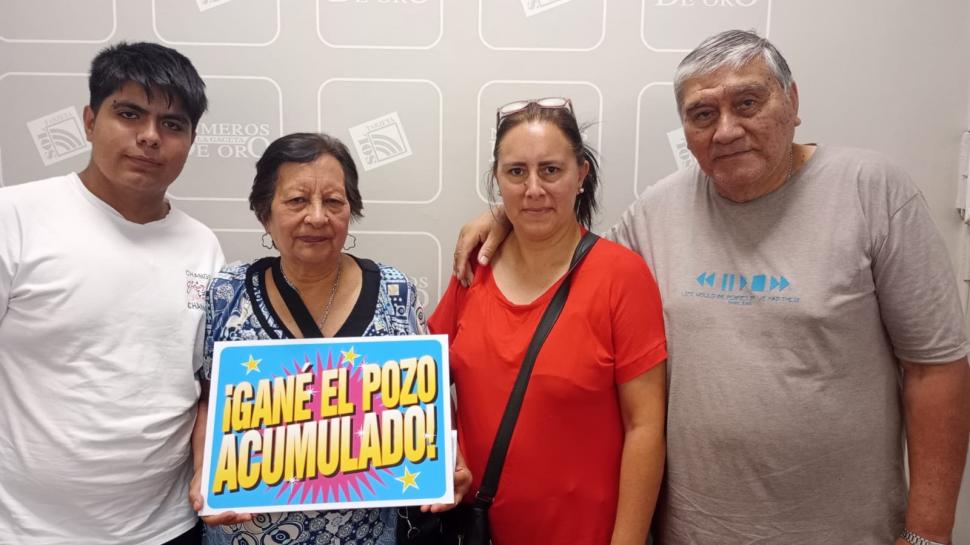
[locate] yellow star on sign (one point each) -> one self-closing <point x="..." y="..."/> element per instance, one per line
<point x="408" y="479"/>
<point x="350" y="355"/>
<point x="251" y="365"/>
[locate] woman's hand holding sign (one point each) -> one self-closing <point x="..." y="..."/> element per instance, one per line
<point x="463" y="481"/>
<point x="195" y="498"/>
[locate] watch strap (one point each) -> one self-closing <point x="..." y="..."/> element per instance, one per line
<point x="915" y="539"/>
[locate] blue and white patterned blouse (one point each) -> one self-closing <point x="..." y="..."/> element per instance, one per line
<point x="238" y="309"/>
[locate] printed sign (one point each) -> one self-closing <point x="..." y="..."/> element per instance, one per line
<point x="328" y="424"/>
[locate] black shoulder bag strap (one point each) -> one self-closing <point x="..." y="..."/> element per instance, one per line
<point x="294" y="302"/>
<point x="500" y="447"/>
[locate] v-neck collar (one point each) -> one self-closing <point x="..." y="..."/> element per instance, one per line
<point x="354" y="326"/>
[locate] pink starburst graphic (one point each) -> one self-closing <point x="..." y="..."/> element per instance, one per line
<point x="330" y="489"/>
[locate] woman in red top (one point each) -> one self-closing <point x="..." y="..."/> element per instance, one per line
<point x="586" y="458"/>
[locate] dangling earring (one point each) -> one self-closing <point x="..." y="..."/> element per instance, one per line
<point x="353" y="242"/>
<point x="271" y="245"/>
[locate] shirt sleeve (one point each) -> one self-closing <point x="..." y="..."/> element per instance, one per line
<point x="624" y="232"/>
<point x="635" y="227"/>
<point x="201" y="354"/>
<point x="444" y="319"/>
<point x="639" y="340"/>
<point x="918" y="298"/>
<point x="11" y="243"/>
<point x="205" y="346"/>
<point x="417" y="322"/>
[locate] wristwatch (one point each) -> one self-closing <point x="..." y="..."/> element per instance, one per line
<point x="916" y="539"/>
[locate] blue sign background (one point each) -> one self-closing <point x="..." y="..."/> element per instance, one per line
<point x="371" y="487"/>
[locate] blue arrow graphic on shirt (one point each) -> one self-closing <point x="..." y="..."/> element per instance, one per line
<point x="780" y="283"/>
<point x="706" y="278"/>
<point x="758" y="282"/>
<point x="742" y="282"/>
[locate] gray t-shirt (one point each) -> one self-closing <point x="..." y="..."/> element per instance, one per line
<point x="785" y="317"/>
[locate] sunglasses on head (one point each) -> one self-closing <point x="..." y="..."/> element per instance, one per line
<point x="549" y="103"/>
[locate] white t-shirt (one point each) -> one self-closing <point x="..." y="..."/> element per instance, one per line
<point x="99" y="318"/>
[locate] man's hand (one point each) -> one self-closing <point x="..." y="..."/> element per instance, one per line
<point x="488" y="230"/>
<point x="195" y="499"/>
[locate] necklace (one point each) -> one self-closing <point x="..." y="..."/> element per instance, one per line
<point x="333" y="293"/>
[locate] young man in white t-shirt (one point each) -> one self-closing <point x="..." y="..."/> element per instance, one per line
<point x="101" y="305"/>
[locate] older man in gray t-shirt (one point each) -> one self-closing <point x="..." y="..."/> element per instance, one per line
<point x="797" y="281"/>
<point x="812" y="316"/>
<point x="785" y="317"/>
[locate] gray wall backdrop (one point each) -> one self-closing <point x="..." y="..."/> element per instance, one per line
<point x="412" y="85"/>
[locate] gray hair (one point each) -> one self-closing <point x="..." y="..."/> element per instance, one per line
<point x="732" y="48"/>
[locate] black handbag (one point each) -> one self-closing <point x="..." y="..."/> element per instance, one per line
<point x="467" y="524"/>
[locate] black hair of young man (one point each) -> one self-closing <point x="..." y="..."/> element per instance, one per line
<point x="152" y="66"/>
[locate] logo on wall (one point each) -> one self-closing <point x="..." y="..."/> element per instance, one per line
<point x="59" y="135"/>
<point x="678" y="145"/>
<point x="380" y="141"/>
<point x="533" y="7"/>
<point x="679" y="25"/>
<point x="707" y="3"/>
<point x="205" y="5"/>
<point x="231" y="140"/>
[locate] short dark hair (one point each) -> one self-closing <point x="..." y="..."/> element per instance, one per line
<point x="301" y="147"/>
<point x="153" y="67"/>
<point x="564" y="119"/>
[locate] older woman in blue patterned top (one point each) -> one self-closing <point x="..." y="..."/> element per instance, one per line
<point x="305" y="194"/>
